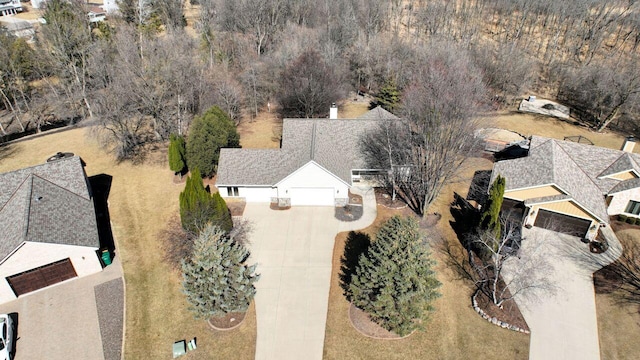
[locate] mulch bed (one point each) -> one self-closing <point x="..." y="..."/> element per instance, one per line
<point x="348" y="212"/>
<point x="617" y="225"/>
<point x="430" y="220"/>
<point x="509" y="313"/>
<point x="354" y="198"/>
<point x="236" y="207"/>
<point x="177" y="179"/>
<point x="227" y="322"/>
<point x="361" y="321"/>
<point x="275" y="206"/>
<point x="383" y="198"/>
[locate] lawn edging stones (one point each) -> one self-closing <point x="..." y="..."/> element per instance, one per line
<point x="494" y="320"/>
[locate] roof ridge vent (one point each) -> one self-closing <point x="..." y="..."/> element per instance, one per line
<point x="313" y="140"/>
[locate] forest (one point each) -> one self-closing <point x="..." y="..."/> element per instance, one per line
<point x="146" y="72"/>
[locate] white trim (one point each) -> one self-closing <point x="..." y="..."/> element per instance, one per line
<point x="307" y="164"/>
<point x="611" y="176"/>
<point x="538" y="186"/>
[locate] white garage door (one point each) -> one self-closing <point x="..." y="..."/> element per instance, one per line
<point x="312" y="196"/>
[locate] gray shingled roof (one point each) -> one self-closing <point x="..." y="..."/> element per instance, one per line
<point x="47" y="203"/>
<point x="331" y="143"/>
<point x="549" y="162"/>
<point x="378" y="113"/>
<point x="625" y="185"/>
<point x="624" y="163"/>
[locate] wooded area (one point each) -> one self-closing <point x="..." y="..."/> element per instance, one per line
<point x="145" y="74"/>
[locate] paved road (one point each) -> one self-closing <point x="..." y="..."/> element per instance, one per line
<point x="563" y="323"/>
<point x="61" y="322"/>
<point x="293" y="249"/>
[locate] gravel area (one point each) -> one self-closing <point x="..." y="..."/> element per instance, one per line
<point x="110" y="304"/>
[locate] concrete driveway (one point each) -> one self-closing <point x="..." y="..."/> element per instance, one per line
<point x="563" y="322"/>
<point x="293" y="249"/>
<point x="65" y="322"/>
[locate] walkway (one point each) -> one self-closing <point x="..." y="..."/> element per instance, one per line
<point x="563" y="322"/>
<point x="294" y="249"/>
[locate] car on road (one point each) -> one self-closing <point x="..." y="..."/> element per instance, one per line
<point x="6" y="337"/>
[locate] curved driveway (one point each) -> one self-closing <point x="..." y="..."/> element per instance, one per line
<point x="563" y="321"/>
<point x="293" y="249"/>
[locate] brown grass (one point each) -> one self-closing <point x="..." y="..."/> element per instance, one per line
<point x="455" y="330"/>
<point x="142" y="200"/>
<point x="618" y="323"/>
<point x="530" y="124"/>
<point x="352" y="109"/>
<point x="261" y="132"/>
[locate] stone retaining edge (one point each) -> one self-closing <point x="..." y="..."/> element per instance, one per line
<point x="494" y="320"/>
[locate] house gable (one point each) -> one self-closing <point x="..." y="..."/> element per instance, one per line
<point x="534" y="192"/>
<point x="625" y="175"/>
<point x="311" y="175"/>
<point x="567" y="207"/>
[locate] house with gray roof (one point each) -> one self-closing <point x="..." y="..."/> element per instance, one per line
<point x="572" y="187"/>
<point x="49" y="229"/>
<point x="317" y="163"/>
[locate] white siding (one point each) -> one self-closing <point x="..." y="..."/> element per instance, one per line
<point x="312" y="176"/>
<point x="620" y="200"/>
<point x="250" y="194"/>
<point x="312" y="196"/>
<point x="33" y="254"/>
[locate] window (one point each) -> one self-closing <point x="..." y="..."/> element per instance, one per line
<point x="633" y="208"/>
<point x="234" y="191"/>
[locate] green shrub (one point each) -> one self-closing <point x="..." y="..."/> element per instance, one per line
<point x="631" y="220"/>
<point x="622" y="217"/>
<point x="637" y="221"/>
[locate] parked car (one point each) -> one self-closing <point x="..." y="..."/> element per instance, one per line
<point x="6" y="337"/>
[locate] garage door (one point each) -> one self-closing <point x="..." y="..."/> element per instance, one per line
<point x="43" y="276"/>
<point x="562" y="223"/>
<point x="312" y="196"/>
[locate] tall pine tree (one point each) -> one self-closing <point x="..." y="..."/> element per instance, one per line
<point x="199" y="208"/>
<point x="177" y="153"/>
<point x="394" y="281"/>
<point x="216" y="279"/>
<point x="207" y="135"/>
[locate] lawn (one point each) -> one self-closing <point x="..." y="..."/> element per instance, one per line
<point x="261" y="132"/>
<point x="142" y="199"/>
<point x="618" y="323"/>
<point x="530" y="124"/>
<point x="455" y="330"/>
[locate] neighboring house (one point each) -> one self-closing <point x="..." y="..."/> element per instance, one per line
<point x="572" y="187"/>
<point x="10" y="7"/>
<point x="318" y="162"/>
<point x="49" y="231"/>
<point x="97" y="14"/>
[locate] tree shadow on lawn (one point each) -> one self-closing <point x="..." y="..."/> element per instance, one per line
<point x="355" y="245"/>
<point x="7" y="151"/>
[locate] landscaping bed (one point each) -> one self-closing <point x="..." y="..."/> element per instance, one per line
<point x="363" y="323"/>
<point x="509" y="313"/>
<point x="383" y="198"/>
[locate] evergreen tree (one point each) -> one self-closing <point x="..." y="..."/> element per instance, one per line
<point x="199" y="208"/>
<point x="389" y="96"/>
<point x="490" y="219"/>
<point x="177" y="153"/>
<point x="208" y="133"/>
<point x="216" y="279"/>
<point x="394" y="281"/>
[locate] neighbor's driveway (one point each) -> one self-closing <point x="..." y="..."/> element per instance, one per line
<point x="293" y="249"/>
<point x="62" y="321"/>
<point x="563" y="324"/>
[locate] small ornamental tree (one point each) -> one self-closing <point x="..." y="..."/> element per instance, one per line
<point x="394" y="281"/>
<point x="177" y="154"/>
<point x="490" y="219"/>
<point x="216" y="279"/>
<point x="198" y="207"/>
<point x="207" y="135"/>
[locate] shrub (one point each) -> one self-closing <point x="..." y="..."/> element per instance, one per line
<point x="622" y="217"/>
<point x="394" y="280"/>
<point x="199" y="208"/>
<point x="177" y="153"/>
<point x="637" y="222"/>
<point x="631" y="220"/>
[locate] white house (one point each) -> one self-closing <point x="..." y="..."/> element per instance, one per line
<point x="318" y="162"/>
<point x="572" y="187"/>
<point x="49" y="230"/>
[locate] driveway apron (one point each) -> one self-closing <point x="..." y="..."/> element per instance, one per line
<point x="563" y="322"/>
<point x="293" y="249"/>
